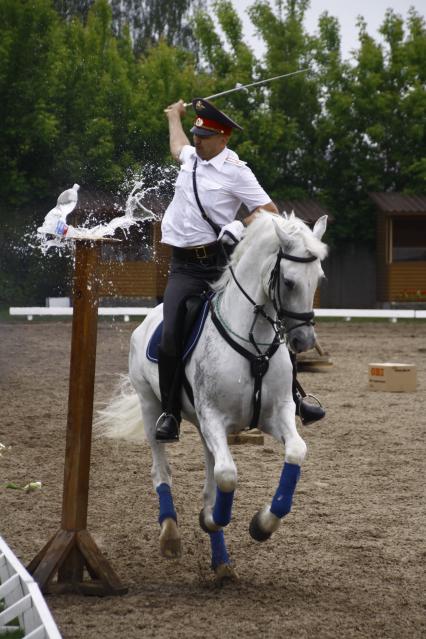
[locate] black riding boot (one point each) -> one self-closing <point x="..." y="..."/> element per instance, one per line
<point x="307" y="412"/>
<point x="170" y="372"/>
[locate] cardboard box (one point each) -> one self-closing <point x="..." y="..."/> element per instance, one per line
<point x="393" y="377"/>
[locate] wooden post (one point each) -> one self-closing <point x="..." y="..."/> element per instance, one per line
<point x="72" y="548"/>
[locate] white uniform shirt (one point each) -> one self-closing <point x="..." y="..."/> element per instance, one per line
<point x="223" y="183"/>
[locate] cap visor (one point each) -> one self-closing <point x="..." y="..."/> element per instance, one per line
<point x="202" y="133"/>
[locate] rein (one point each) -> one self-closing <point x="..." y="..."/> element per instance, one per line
<point x="259" y="363"/>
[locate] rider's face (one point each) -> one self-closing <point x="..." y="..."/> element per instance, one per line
<point x="208" y="147"/>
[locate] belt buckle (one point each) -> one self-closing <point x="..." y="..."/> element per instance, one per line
<point x="200" y="252"/>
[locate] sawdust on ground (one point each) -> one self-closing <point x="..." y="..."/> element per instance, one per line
<point x="347" y="562"/>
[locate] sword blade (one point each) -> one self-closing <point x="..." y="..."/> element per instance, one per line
<point x="251" y="84"/>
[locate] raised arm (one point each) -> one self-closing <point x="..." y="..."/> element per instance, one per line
<point x="177" y="136"/>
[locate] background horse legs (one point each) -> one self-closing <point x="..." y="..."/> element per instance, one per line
<point x="267" y="520"/>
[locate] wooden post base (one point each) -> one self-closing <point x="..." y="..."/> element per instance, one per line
<point x="68" y="553"/>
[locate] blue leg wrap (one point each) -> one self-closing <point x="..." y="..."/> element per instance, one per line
<point x="223" y="507"/>
<point x="167" y="508"/>
<point x="281" y="503"/>
<point x="219" y="552"/>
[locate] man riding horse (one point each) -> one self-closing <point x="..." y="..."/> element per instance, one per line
<point x="201" y="228"/>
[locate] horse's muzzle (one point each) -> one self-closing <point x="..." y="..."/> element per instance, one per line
<point x="301" y="339"/>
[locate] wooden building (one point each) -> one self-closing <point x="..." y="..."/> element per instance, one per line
<point x="135" y="270"/>
<point x="400" y="247"/>
<point x="308" y="210"/>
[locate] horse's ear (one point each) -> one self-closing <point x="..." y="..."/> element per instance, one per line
<point x="284" y="238"/>
<point x="320" y="226"/>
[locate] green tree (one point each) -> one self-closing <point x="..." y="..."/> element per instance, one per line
<point x="284" y="126"/>
<point x="80" y="107"/>
<point x="225" y="60"/>
<point x="71" y="8"/>
<point x="98" y="102"/>
<point x="147" y="21"/>
<point x="372" y="129"/>
<point x="165" y="74"/>
<point x="31" y="75"/>
<point x="150" y="21"/>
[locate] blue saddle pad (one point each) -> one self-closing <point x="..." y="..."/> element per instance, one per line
<point x="197" y="329"/>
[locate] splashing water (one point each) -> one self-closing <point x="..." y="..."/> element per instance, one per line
<point x="146" y="193"/>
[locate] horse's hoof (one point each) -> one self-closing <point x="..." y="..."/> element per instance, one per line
<point x="203" y="524"/>
<point x="256" y="532"/>
<point x="170" y="541"/>
<point x="224" y="573"/>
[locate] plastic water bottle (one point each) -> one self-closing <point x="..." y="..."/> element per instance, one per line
<point x="67" y="201"/>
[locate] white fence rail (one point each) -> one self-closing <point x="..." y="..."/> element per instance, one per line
<point x="20" y="598"/>
<point x="127" y="311"/>
<point x="388" y="313"/>
<point x="113" y="311"/>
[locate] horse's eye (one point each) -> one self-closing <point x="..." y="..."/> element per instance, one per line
<point x="289" y="284"/>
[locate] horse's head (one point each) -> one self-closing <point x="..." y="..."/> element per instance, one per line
<point x="287" y="255"/>
<point x="294" y="277"/>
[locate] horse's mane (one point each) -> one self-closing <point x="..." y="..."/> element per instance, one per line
<point x="261" y="233"/>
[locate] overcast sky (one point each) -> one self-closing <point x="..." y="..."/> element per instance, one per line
<point x="372" y="10"/>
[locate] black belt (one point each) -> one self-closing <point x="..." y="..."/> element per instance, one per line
<point x="196" y="253"/>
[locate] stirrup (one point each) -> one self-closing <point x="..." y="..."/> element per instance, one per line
<point x="308" y="412"/>
<point x="167" y="428"/>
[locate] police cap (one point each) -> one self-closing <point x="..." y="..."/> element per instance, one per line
<point x="210" y="120"/>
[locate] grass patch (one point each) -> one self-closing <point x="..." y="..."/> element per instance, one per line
<point x="11" y="634"/>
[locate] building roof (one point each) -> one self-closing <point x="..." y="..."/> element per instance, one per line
<point x="104" y="205"/>
<point x="308" y="210"/>
<point x="93" y="201"/>
<point x="394" y="203"/>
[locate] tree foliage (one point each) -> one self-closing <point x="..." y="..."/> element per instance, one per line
<point x="81" y="103"/>
<point x="147" y="21"/>
<point x="342" y="129"/>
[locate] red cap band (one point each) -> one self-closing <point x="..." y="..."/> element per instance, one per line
<point x="212" y="125"/>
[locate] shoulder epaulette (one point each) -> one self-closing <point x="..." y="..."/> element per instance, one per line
<point x="235" y="161"/>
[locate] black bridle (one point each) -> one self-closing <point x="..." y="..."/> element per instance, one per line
<point x="274" y="291"/>
<point x="259" y="363"/>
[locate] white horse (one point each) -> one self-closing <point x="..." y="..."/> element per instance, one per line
<point x="262" y="303"/>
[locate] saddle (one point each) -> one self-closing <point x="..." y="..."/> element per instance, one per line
<point x="196" y="311"/>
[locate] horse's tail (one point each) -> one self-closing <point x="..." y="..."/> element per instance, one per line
<point x="121" y="418"/>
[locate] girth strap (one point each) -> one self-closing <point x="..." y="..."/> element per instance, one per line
<point x="259" y="364"/>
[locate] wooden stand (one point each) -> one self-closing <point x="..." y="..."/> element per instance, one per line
<point x="247" y="437"/>
<point x="72" y="550"/>
<point x="311" y="361"/>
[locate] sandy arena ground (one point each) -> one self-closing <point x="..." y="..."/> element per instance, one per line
<point x="349" y="560"/>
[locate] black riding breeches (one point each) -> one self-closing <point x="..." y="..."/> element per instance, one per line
<point x="185" y="279"/>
